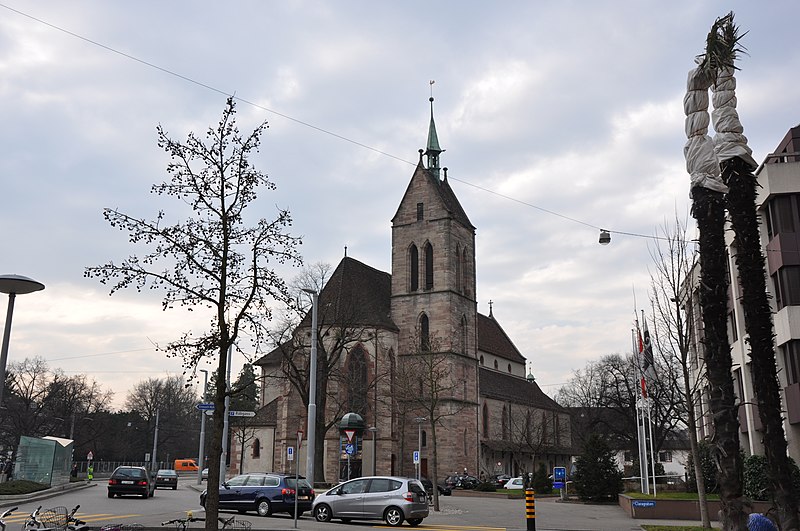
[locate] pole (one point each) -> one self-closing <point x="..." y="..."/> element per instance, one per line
<point x="652" y="454"/>
<point x="530" y="509"/>
<point x="6" y="338"/>
<point x="374" y="451"/>
<point x="312" y="391"/>
<point x="201" y="453"/>
<point x="642" y="455"/>
<point x="223" y="458"/>
<point x="419" y="449"/>
<point x="155" y="445"/>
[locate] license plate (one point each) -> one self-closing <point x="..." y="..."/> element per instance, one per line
<point x="302" y="497"/>
<point x="126" y="482"/>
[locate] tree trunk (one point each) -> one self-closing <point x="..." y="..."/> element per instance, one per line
<point x="741" y="201"/>
<point x="215" y="473"/>
<point x="695" y="448"/>
<point x="433" y="475"/>
<point x="708" y="209"/>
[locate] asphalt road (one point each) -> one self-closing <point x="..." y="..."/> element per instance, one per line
<point x="457" y="513"/>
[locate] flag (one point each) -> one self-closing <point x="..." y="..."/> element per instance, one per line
<point x="648" y="365"/>
<point x="639" y="355"/>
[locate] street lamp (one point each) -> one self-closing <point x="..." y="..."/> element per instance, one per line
<point x="374" y="431"/>
<point x="13" y="285"/>
<point x="419" y="421"/>
<point x="312" y="389"/>
<point x="202" y="451"/>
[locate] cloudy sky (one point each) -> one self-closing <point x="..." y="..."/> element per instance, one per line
<point x="557" y="118"/>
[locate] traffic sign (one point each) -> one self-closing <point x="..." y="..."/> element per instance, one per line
<point x="416" y="457"/>
<point x="350" y="449"/>
<point x="242" y="413"/>
<point x="290" y="453"/>
<point x="205" y="406"/>
<point x="89" y="456"/>
<point x="349" y="434"/>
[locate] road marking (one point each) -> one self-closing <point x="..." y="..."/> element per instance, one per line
<point x="443" y="527"/>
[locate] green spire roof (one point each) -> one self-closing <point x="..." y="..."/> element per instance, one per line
<point x="433" y="138"/>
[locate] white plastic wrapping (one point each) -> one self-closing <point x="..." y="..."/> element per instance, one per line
<point x="729" y="140"/>
<point x="701" y="160"/>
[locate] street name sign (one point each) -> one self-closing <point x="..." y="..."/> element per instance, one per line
<point x="205" y="406"/>
<point x="242" y="413"/>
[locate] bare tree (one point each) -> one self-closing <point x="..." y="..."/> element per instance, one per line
<point x="670" y="295"/>
<point x="212" y="261"/>
<point x="427" y="387"/>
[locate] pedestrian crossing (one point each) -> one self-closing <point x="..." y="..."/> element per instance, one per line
<point x="88" y="518"/>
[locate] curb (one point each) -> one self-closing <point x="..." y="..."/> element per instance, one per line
<point x="14" y="499"/>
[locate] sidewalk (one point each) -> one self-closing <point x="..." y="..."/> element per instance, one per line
<point x="15" y="499"/>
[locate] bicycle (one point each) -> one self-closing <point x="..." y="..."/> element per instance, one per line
<point x="121" y="527"/>
<point x="227" y="523"/>
<point x="4" y="515"/>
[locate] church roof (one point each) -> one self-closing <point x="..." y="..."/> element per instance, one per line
<point x="356" y="294"/>
<point x="265" y="416"/>
<point x="504" y="386"/>
<point x="492" y="339"/>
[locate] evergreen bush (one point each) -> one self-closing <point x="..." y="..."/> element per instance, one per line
<point x="597" y="477"/>
<point x="542" y="484"/>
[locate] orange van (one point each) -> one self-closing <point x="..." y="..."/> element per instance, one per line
<point x="186" y="465"/>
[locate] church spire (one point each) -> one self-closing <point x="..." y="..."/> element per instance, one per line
<point x="433" y="150"/>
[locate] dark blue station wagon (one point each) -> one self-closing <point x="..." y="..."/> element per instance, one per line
<point x="264" y="493"/>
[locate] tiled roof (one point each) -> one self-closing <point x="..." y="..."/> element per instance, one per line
<point x="504" y="386"/>
<point x="356" y="294"/>
<point x="492" y="339"/>
<point x="265" y="416"/>
<point x="450" y="200"/>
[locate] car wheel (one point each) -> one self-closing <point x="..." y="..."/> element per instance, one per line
<point x="175" y="487"/>
<point x="241" y="511"/>
<point x="263" y="507"/>
<point x="110" y="494"/>
<point x="414" y="522"/>
<point x="393" y="516"/>
<point x="323" y="513"/>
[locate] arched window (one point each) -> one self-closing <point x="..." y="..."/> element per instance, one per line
<point x="495" y="364"/>
<point x="424" y="438"/>
<point x="428" y="266"/>
<point x="463" y="334"/>
<point x="485" y="421"/>
<point x="458" y="268"/>
<point x="504" y="421"/>
<point x="481" y="359"/>
<point x="424" y="333"/>
<point x="356" y="371"/>
<point x="464" y="272"/>
<point x="256" y="447"/>
<point x="413" y="268"/>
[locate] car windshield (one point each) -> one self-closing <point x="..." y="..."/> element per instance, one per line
<point x="304" y="484"/>
<point x="167" y="473"/>
<point x="129" y="472"/>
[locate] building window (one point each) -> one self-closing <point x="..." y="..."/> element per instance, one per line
<point x="458" y="268"/>
<point x="782" y="215"/>
<point x="627" y="456"/>
<point x="424" y="333"/>
<point x="424" y="439"/>
<point x="428" y="266"/>
<point x="420" y="211"/>
<point x="485" y="421"/>
<point x="665" y="456"/>
<point x="481" y="359"/>
<point x="256" y="448"/>
<point x="463" y="334"/>
<point x="509" y="367"/>
<point x="357" y="380"/>
<point x="464" y="272"/>
<point x="504" y="423"/>
<point x="495" y="364"/>
<point x="413" y="263"/>
<point x="787" y="286"/>
<point x="791" y="361"/>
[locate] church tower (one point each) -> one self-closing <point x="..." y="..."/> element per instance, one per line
<point x="433" y="303"/>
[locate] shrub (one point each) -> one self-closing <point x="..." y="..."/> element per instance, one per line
<point x="542" y="484"/>
<point x="486" y="486"/>
<point x="756" y="479"/>
<point x="20" y="486"/>
<point x="707" y="466"/>
<point x="596" y="475"/>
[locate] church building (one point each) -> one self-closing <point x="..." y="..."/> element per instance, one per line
<point x="410" y="354"/>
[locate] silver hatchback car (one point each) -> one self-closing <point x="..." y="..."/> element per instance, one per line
<point x="393" y="499"/>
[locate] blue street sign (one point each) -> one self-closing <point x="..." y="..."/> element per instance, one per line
<point x="350" y="449"/>
<point x="644" y="503"/>
<point x="559" y="474"/>
<point x="558" y="484"/>
<point x="416" y="457"/>
<point x="290" y="453"/>
<point x="205" y="406"/>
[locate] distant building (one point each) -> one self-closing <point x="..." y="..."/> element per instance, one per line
<point x="778" y="206"/>
<point x="500" y="421"/>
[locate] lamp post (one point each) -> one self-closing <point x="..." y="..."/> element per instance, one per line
<point x="312" y="390"/>
<point x="419" y="421"/>
<point x="202" y="451"/>
<point x="374" y="431"/>
<point x="13" y="285"/>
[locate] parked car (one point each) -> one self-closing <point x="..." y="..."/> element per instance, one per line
<point x="514" y="483"/>
<point x="131" y="480"/>
<point x="388" y="498"/>
<point x="204" y="474"/>
<point x="443" y="490"/>
<point x="499" y="480"/>
<point x="462" y="482"/>
<point x="264" y="493"/>
<point x="167" y="478"/>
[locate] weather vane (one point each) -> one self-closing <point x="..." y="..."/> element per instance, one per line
<point x="431" y="82"/>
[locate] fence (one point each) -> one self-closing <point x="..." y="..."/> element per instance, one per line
<point x="105" y="468"/>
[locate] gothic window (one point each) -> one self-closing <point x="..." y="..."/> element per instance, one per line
<point x="481" y="359"/>
<point x="420" y="211"/>
<point x="424" y="333"/>
<point x="413" y="262"/>
<point x="256" y="447"/>
<point x="504" y="423"/>
<point x="424" y="439"/>
<point x="458" y="269"/>
<point x="464" y="283"/>
<point x="428" y="266"/>
<point x="463" y="334"/>
<point x="495" y="364"/>
<point x="356" y="370"/>
<point x="485" y="421"/>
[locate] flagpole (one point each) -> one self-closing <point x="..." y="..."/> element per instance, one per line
<point x="652" y="454"/>
<point x="636" y="404"/>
